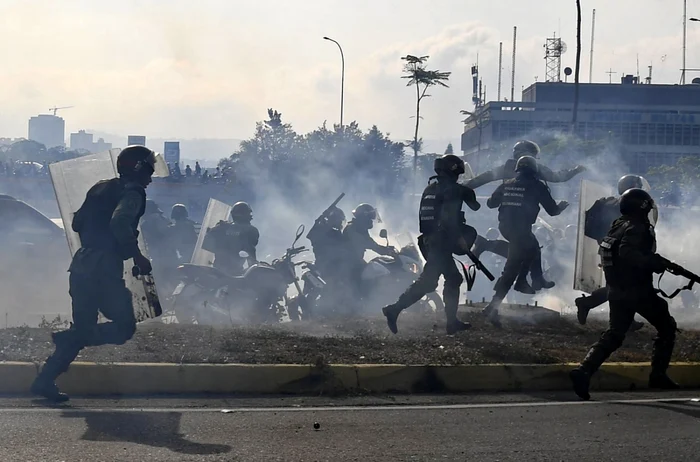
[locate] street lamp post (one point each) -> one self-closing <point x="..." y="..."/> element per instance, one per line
<point x="342" y="77"/>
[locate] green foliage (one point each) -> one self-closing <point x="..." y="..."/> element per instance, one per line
<point x="686" y="172"/>
<point x="417" y="75"/>
<point x="32" y="151"/>
<point x="55" y="324"/>
<point x="343" y="154"/>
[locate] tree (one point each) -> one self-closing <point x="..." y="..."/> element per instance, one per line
<point x="449" y="149"/>
<point x="422" y="79"/>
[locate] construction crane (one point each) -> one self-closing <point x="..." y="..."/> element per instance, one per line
<point x="54" y="109"/>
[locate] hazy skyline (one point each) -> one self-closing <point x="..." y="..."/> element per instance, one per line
<point x="210" y="69"/>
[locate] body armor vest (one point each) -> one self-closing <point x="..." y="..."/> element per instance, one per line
<point x="92" y="220"/>
<point x="440" y="207"/>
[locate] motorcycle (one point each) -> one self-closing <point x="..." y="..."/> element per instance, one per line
<point x="207" y="295"/>
<point x="385" y="277"/>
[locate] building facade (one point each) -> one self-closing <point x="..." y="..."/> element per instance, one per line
<point x="649" y="125"/>
<point x="84" y="141"/>
<point x="49" y="130"/>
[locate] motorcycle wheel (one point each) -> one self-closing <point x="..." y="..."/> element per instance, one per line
<point x="432" y="303"/>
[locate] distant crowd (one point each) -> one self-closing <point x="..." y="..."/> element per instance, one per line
<point x="217" y="175"/>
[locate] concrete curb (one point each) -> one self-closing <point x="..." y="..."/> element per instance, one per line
<point x="145" y="378"/>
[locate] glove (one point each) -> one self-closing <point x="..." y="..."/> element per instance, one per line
<point x="143" y="263"/>
<point x="659" y="264"/>
<point x="563" y="205"/>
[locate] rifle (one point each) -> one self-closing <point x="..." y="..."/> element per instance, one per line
<point x="678" y="270"/>
<point x="330" y="208"/>
<point x="480" y="266"/>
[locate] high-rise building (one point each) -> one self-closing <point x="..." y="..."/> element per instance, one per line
<point x="136" y="140"/>
<point x="84" y="141"/>
<point x="48" y="130"/>
<point x="171" y="152"/>
<point x="81" y="140"/>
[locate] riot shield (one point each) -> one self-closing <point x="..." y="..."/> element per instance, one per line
<point x="71" y="181"/>
<point x="216" y="211"/>
<point x="588" y="276"/>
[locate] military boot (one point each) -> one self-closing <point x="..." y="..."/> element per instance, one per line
<point x="392" y="315"/>
<point x="523" y="287"/>
<point x="660" y="359"/>
<point x="581" y="381"/>
<point x="539" y="283"/>
<point x="456" y="325"/>
<point x="45" y="383"/>
<point x="491" y="311"/>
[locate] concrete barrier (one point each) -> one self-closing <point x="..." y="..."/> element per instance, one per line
<point x="144" y="378"/>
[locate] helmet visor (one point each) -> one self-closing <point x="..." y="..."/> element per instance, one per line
<point x="160" y="168"/>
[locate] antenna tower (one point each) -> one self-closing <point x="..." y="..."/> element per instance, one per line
<point x="554" y="48"/>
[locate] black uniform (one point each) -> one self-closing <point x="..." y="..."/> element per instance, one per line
<point x="629" y="259"/>
<point x="443" y="233"/>
<point x="184" y="238"/>
<point x="506" y="172"/>
<point x="328" y="245"/>
<point x="357" y="242"/>
<point x="518" y="201"/>
<point x="107" y="224"/>
<point x="226" y="240"/>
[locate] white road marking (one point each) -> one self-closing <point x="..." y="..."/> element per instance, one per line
<point x="360" y="408"/>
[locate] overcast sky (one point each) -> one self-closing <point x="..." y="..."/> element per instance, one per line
<point x="211" y="68"/>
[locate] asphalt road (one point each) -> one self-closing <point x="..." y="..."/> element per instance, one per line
<point x="546" y="427"/>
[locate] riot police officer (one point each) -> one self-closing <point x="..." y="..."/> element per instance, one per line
<point x="599" y="218"/>
<point x="358" y="241"/>
<point x="518" y="201"/>
<point x="443" y="233"/>
<point x="327" y="241"/>
<point x="107" y="225"/>
<point x="507" y="171"/>
<point x="183" y="232"/>
<point x="228" y="239"/>
<point x="629" y="259"/>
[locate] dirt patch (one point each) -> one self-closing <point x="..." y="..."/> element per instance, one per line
<point x="421" y="340"/>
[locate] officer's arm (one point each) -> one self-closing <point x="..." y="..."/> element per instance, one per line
<point x="560" y="176"/>
<point x="633" y="240"/>
<point x="254" y="239"/>
<point x="124" y="216"/>
<point x="496" y="198"/>
<point x="486" y="177"/>
<point x="547" y="201"/>
<point x="469" y="197"/>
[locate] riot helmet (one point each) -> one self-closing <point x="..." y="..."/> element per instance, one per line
<point x="629" y="182"/>
<point x="179" y="212"/>
<point x="525" y="148"/>
<point x="241" y="211"/>
<point x="636" y="202"/>
<point x="335" y="218"/>
<point x="139" y="163"/>
<point x="526" y="164"/>
<point x="365" y="214"/>
<point x="492" y="234"/>
<point x="449" y="165"/>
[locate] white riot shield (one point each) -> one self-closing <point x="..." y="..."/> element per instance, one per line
<point x="71" y="181"/>
<point x="588" y="276"/>
<point x="216" y="211"/>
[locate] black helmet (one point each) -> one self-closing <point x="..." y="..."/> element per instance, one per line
<point x="636" y="202"/>
<point x="629" y="182"/>
<point x="492" y="234"/>
<point x="178" y="212"/>
<point x="335" y="217"/>
<point x="241" y="211"/>
<point x="525" y="148"/>
<point x="365" y="211"/>
<point x="136" y="161"/>
<point x="449" y="165"/>
<point x="526" y="164"/>
<point x="152" y="207"/>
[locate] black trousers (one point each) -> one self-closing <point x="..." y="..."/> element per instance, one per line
<point x="522" y="250"/>
<point x="652" y="308"/>
<point x="92" y="293"/>
<point x="500" y="247"/>
<point x="439" y="262"/>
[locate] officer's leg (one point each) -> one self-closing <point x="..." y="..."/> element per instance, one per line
<point x="85" y="296"/>
<point x="529" y="248"/>
<point x="536" y="274"/>
<point x="497" y="246"/>
<point x="517" y="254"/>
<point x="586" y="304"/>
<point x="119" y="309"/>
<point x="621" y="316"/>
<point x="450" y="294"/>
<point x="655" y="310"/>
<point x="427" y="282"/>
